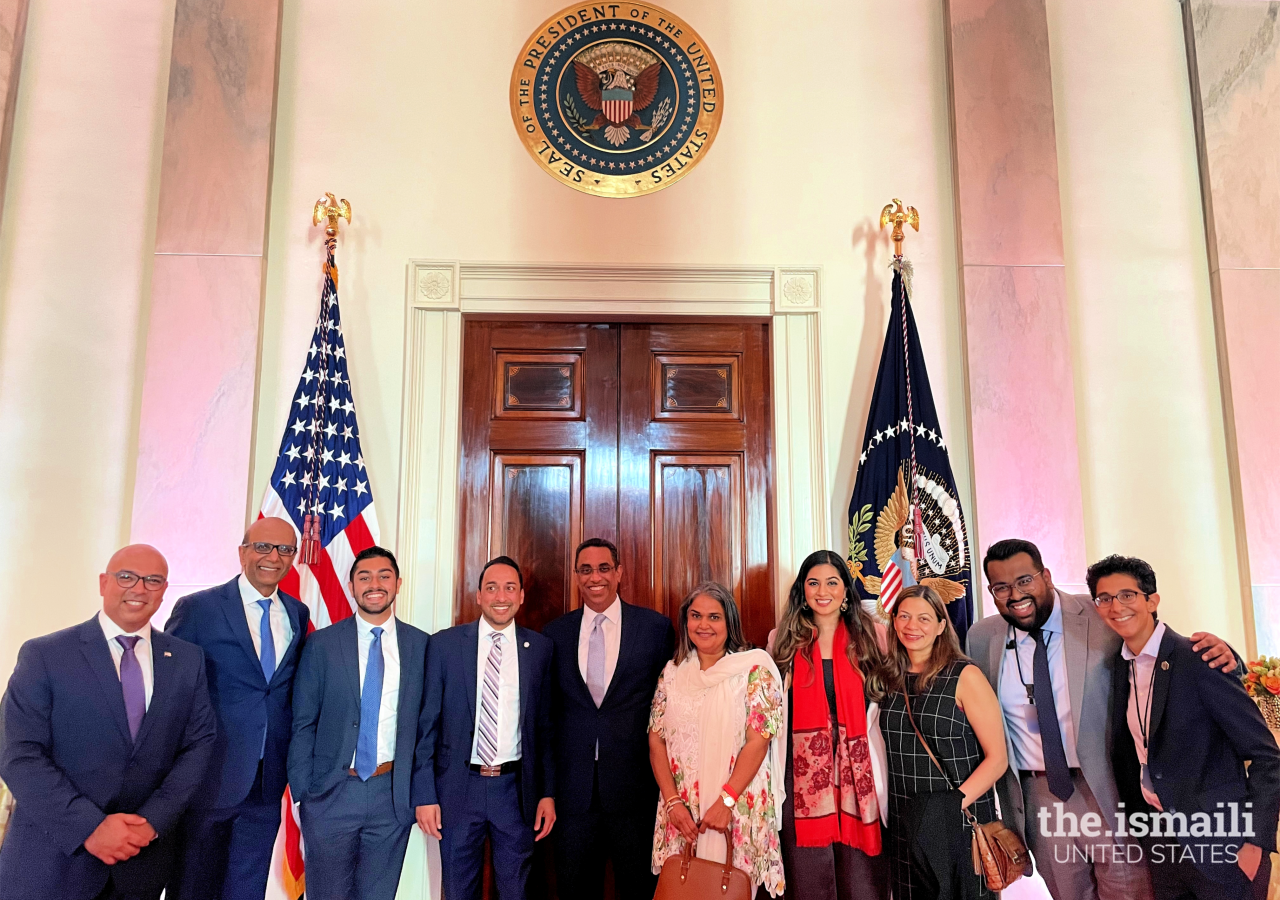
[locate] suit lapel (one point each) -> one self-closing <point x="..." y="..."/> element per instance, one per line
<point x="577" y="617"/>
<point x="469" y="666"/>
<point x="526" y="673"/>
<point x="294" y="643"/>
<point x="1160" y="692"/>
<point x="161" y="685"/>
<point x="351" y="659"/>
<point x="995" y="657"/>
<point x="625" y="652"/>
<point x="93" y="643"/>
<point x="233" y="607"/>
<point x="1075" y="632"/>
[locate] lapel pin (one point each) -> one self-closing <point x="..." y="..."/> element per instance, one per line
<point x="1165" y="665"/>
<point x="526" y="644"/>
<point x="167" y="653"/>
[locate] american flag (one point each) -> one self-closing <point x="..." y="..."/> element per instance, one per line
<point x="321" y="486"/>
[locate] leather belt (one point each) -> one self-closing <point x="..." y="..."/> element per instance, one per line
<point x="381" y="770"/>
<point x="1039" y="773"/>
<point x="494" y="771"/>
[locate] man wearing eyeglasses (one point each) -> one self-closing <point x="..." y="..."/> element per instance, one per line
<point x="608" y="658"/>
<point x="1048" y="657"/>
<point x="1183" y="734"/>
<point x="252" y="635"/>
<point x="107" y="731"/>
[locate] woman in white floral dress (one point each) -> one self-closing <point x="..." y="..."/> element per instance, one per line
<point x="713" y="742"/>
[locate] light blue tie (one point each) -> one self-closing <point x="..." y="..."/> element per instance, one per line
<point x="268" y="642"/>
<point x="595" y="661"/>
<point x="370" y="707"/>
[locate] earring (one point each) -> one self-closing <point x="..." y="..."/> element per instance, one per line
<point x="844" y="607"/>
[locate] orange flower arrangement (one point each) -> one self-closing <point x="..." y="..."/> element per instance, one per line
<point x="1262" y="677"/>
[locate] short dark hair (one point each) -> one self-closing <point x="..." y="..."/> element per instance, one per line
<point x="1115" y="564"/>
<point x="501" y="561"/>
<point x="370" y="553"/>
<point x="1008" y="549"/>
<point x="595" y="542"/>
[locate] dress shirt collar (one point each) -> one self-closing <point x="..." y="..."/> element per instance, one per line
<point x="249" y="594"/>
<point x="111" y="630"/>
<point x="612" y="612"/>
<point x="508" y="632"/>
<point x="1151" y="648"/>
<point x="365" y="628"/>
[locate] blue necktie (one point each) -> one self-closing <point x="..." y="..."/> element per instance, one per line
<point x="268" y="650"/>
<point x="370" y="707"/>
<point x="1055" y="757"/>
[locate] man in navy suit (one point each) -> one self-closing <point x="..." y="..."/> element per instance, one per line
<point x="484" y="766"/>
<point x="356" y="701"/>
<point x="252" y="636"/>
<point x="1183" y="733"/>
<point x="106" y="731"/>
<point x="608" y="657"/>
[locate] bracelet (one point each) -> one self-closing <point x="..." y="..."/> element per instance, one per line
<point x="673" y="802"/>
<point x="733" y="795"/>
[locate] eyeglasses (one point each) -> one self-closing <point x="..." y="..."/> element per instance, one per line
<point x="1002" y="591"/>
<point x="265" y="547"/>
<point x="127" y="579"/>
<point x="1126" y="598"/>
<point x="587" y="571"/>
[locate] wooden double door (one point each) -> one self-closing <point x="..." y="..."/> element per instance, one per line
<point x="655" y="436"/>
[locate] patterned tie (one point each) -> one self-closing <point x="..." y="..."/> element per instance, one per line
<point x="268" y="642"/>
<point x="135" y="692"/>
<point x="370" y="709"/>
<point x="487" y="745"/>
<point x="595" y="661"/>
<point x="1055" y="758"/>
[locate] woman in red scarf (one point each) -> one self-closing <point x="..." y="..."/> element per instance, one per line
<point x="829" y="651"/>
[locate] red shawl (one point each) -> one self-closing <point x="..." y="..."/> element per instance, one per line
<point x="833" y="790"/>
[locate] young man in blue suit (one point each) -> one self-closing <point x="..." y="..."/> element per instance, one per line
<point x="1183" y="733"/>
<point x="106" y="731"/>
<point x="608" y="657"/>
<point x="356" y="701"/>
<point x="484" y="766"/>
<point x="252" y="636"/>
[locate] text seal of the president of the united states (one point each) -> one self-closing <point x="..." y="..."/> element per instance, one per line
<point x="617" y="100"/>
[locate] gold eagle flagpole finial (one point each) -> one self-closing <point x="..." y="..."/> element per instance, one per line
<point x="897" y="218"/>
<point x="331" y="209"/>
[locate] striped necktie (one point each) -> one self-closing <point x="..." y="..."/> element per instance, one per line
<point x="487" y="744"/>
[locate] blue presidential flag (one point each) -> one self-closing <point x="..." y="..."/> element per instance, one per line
<point x="906" y="526"/>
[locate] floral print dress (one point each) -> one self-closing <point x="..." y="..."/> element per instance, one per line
<point x="755" y="840"/>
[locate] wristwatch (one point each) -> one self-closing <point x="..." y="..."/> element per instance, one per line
<point x="728" y="801"/>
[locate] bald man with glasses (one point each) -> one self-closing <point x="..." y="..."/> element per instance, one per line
<point x="106" y="731"/>
<point x="252" y="635"/>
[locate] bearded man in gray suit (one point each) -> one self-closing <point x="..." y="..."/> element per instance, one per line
<point x="1048" y="655"/>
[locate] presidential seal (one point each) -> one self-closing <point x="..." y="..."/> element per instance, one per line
<point x="616" y="100"/>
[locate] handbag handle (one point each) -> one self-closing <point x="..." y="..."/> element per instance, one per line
<point x="968" y="813"/>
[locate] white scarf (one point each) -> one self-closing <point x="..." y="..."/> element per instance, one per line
<point x="724" y="714"/>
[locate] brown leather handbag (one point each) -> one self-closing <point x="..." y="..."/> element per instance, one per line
<point x="686" y="877"/>
<point x="999" y="854"/>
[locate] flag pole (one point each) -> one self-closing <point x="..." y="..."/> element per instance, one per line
<point x="897" y="215"/>
<point x="329" y="210"/>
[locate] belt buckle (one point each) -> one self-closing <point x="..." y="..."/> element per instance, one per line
<point x="490" y="771"/>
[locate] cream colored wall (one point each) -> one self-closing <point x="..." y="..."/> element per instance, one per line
<point x="1153" y="451"/>
<point x="831" y="110"/>
<point x="75" y="250"/>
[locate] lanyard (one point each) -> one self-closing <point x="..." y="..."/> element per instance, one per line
<point x="1012" y="644"/>
<point x="1143" y="720"/>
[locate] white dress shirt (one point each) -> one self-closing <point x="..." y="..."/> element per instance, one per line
<point x="390" y="682"/>
<point x="1143" y="668"/>
<point x="141" y="650"/>
<point x="281" y="630"/>
<point x="612" y="629"/>
<point x="1019" y="714"/>
<point x="508" y="693"/>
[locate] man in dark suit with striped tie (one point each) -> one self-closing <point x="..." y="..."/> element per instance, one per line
<point x="106" y="731"/>
<point x="252" y="635"/>
<point x="356" y="701"/>
<point x="484" y="766"/>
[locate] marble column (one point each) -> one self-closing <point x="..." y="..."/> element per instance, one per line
<point x="196" y="428"/>
<point x="1020" y="386"/>
<point x="1233" y="49"/>
<point x="13" y="26"/>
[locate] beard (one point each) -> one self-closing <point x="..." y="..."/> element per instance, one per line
<point x="1044" y="609"/>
